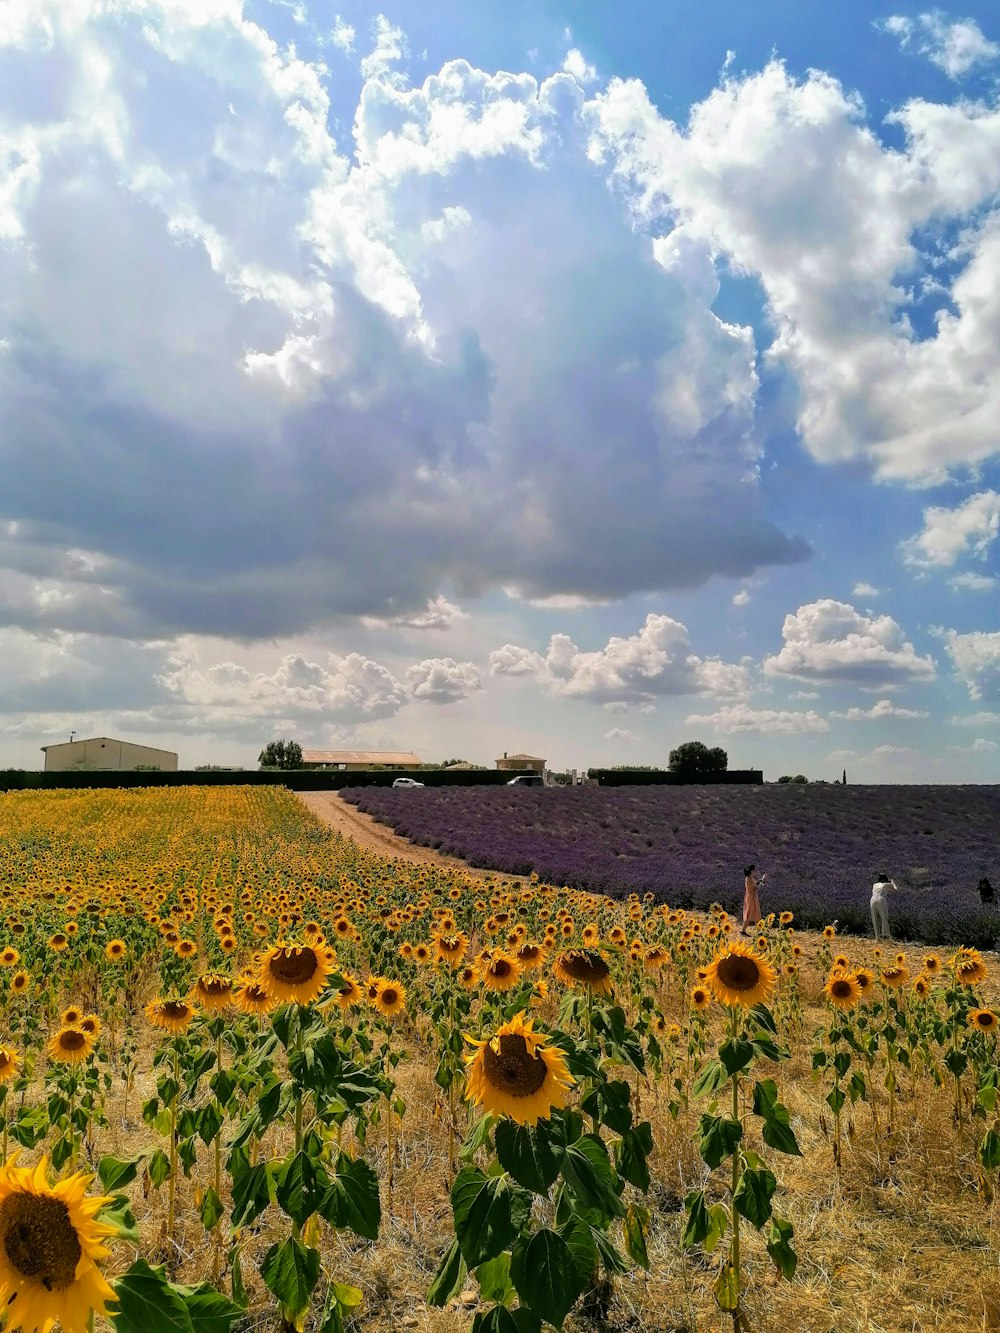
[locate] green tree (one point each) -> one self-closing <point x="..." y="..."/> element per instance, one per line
<point x="693" y="757"/>
<point x="280" y="754"/>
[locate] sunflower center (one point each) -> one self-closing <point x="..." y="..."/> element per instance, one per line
<point x="390" y="995"/>
<point x="39" y="1239"/>
<point x="500" y="968"/>
<point x="587" y="967"/>
<point x="215" y="988"/>
<point x="513" y="1069"/>
<point x="738" y="972"/>
<point x="175" y="1009"/>
<point x="842" y="989"/>
<point x="72" y="1040"/>
<point x="293" y="967"/>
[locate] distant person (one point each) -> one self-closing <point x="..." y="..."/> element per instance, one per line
<point x="986" y="893"/>
<point x="751" y="902"/>
<point x="880" y="904"/>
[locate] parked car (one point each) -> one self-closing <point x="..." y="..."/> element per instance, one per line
<point x="406" y="782"/>
<point x="527" y="780"/>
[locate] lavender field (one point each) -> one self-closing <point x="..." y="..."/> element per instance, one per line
<point x="821" y="846"/>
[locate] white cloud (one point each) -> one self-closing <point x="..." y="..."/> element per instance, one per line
<point x="741" y="717"/>
<point x="343" y="35"/>
<point x="849" y="238"/>
<point x="390" y="47"/>
<point x="982" y="746"/>
<point x="976" y="720"/>
<point x="968" y="529"/>
<point x="620" y="734"/>
<point x="805" y="694"/>
<point x="741" y="598"/>
<point x="976" y="658"/>
<point x="442" y="680"/>
<point x="955" y="47"/>
<point x="830" y="641"/>
<point x="890" y="752"/>
<point x="575" y="64"/>
<point x="439" y="613"/>
<point x="885" y="708"/>
<point x="865" y="590"/>
<point x="656" y="661"/>
<point x="970" y="582"/>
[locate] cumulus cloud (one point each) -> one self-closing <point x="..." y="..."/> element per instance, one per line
<point x="829" y="641"/>
<point x="976" y="658"/>
<point x="343" y="35"/>
<point x="635" y="670"/>
<point x="948" y="534"/>
<point x="954" y="46"/>
<point x="971" y="582"/>
<point x="885" y="708"/>
<point x="575" y="64"/>
<point x="442" y="680"/>
<point x="863" y="589"/>
<point x="976" y="719"/>
<point x="741" y="717"/>
<point x="887" y="322"/>
<point x="378" y="345"/>
<point x="620" y="734"/>
<point x="890" y="752"/>
<point x="741" y="598"/>
<point x="439" y="613"/>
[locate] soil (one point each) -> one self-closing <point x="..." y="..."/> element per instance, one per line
<point x="342" y="817"/>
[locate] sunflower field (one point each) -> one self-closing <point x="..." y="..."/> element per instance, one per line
<point x="252" y="1075"/>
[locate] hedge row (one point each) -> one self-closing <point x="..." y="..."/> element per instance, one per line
<point x="294" y="779"/>
<point x="644" y="777"/>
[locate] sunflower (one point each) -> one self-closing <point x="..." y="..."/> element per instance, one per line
<point x="741" y="977"/>
<point x="895" y="975"/>
<point x="390" y="999"/>
<point x="295" y="972"/>
<point x="350" y="994"/>
<point x="91" y="1024"/>
<point x="171" y="1015"/>
<point x="10" y="957"/>
<point x="58" y="941"/>
<point x="213" y="992"/>
<point x="516" y="1073"/>
<point x="655" y="958"/>
<point x="584" y="967"/>
<point x="790" y="970"/>
<point x="422" y="954"/>
<point x="70" y="1046"/>
<point x="829" y="932"/>
<point x="50" y="1247"/>
<point x="71" y="1016"/>
<point x="10" y="1063"/>
<point x="983" y="1020"/>
<point x="842" y="961"/>
<point x="251" y="997"/>
<point x="921" y="987"/>
<point x="786" y="918"/>
<point x="932" y="964"/>
<point x="969" y="967"/>
<point x="468" y="978"/>
<point x="20" y="982"/>
<point x="185" y="948"/>
<point x="700" y="998"/>
<point x="451" y="948"/>
<point x="499" y="972"/>
<point x="842" y="990"/>
<point x="115" y="950"/>
<point x="864" y="978"/>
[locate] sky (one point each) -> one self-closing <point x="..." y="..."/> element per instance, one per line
<point x="542" y="376"/>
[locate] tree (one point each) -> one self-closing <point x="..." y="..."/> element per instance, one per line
<point x="281" y="754"/>
<point x="799" y="777"/>
<point x="693" y="757"/>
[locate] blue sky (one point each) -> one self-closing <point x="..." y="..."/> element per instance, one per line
<point x="569" y="378"/>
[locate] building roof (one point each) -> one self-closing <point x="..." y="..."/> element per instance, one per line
<point x="115" y="740"/>
<point x="360" y="757"/>
<point x="535" y="758"/>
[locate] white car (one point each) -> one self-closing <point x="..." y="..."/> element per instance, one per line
<point x="406" y="782"/>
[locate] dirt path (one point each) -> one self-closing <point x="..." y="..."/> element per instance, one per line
<point x="345" y="818"/>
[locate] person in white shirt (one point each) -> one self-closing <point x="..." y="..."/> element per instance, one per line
<point x="880" y="905"/>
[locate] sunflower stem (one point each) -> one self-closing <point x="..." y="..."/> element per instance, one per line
<point x="171" y="1188"/>
<point x="734" y="1253"/>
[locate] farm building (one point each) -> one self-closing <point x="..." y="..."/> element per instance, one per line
<point x="347" y="761"/>
<point x="521" y="763"/>
<point x="104" y="753"/>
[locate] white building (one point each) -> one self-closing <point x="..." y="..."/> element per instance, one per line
<point x="104" y="754"/>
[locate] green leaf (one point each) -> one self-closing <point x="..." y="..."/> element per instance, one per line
<point x="753" y="1195"/>
<point x="636" y="1228"/>
<point x="989" y="1150"/>
<point x="341" y="1300"/>
<point x="158" y="1167"/>
<point x="735" y="1054"/>
<point x="481" y="1208"/>
<point x="546" y="1277"/>
<point x="842" y="1062"/>
<point x="299" y="1186"/>
<point x="529" y="1154"/>
<point x="835" y="1099"/>
<point x="779" y="1247"/>
<point x="497" y="1320"/>
<point x="147" y="1303"/>
<point x="579" y="1237"/>
<point x="632" y="1153"/>
<point x="236" y="1276"/>
<point x="290" y="1271"/>
<point x="766" y="1048"/>
<point x="351" y="1203"/>
<point x="610" y="1104"/>
<point x="956" y="1061"/>
<point x="762" y="1017"/>
<point x="449" y="1277"/>
<point x="719" y="1139"/>
<point x="210" y="1121"/>
<point x="116" y="1172"/>
<point x="699" y="1225"/>
<point x="494" y="1279"/>
<point x="587" y="1171"/>
<point x="211" y="1209"/>
<point x="210" y="1310"/>
<point x="251" y="1193"/>
<point x="710" y="1079"/>
<point x="118" y="1214"/>
<point x="719" y="1217"/>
